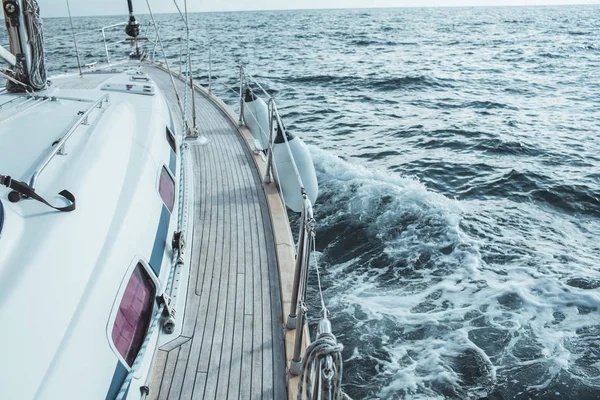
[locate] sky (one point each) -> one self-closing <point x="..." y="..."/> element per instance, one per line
<point x="58" y="8"/>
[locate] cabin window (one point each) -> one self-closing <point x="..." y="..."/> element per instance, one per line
<point x="166" y="188"/>
<point x="134" y="315"/>
<point x="1" y="217"/>
<point x="171" y="140"/>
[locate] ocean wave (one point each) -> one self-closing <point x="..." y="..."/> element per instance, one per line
<point x="504" y="147"/>
<point x="366" y="42"/>
<point x="579" y="33"/>
<point x="578" y="199"/>
<point x="419" y="305"/>
<point x="408" y="82"/>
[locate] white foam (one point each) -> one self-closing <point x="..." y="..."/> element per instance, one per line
<point x="519" y="299"/>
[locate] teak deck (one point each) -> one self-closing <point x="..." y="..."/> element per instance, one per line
<point x="232" y="344"/>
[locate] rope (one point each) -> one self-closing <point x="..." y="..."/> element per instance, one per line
<point x="32" y="71"/>
<point x="15" y="81"/>
<point x="37" y="73"/>
<point x="325" y="345"/>
<point x="125" y="386"/>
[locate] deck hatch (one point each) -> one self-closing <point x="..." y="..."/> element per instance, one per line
<point x="134" y="314"/>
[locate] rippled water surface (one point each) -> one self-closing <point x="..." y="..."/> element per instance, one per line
<point x="458" y="152"/>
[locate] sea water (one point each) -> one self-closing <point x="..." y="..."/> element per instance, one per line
<point x="458" y="154"/>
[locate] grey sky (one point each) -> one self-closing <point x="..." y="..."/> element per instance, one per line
<point x="55" y="8"/>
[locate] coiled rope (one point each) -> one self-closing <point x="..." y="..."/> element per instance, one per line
<point x="325" y="345"/>
<point x="37" y="75"/>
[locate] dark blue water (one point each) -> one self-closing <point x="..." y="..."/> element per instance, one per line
<point x="458" y="152"/>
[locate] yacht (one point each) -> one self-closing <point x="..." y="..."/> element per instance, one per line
<point x="145" y="247"/>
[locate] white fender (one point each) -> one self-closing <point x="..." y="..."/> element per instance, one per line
<point x="256" y="115"/>
<point x="286" y="175"/>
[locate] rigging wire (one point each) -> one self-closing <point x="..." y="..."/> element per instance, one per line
<point x="185" y="20"/>
<point x="164" y="55"/>
<point x="191" y="72"/>
<point x="74" y="38"/>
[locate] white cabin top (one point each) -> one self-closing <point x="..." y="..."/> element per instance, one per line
<point x="65" y="269"/>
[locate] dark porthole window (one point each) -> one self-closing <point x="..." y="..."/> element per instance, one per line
<point x="134" y="314"/>
<point x="1" y="217"/>
<point x="166" y="188"/>
<point x="171" y="140"/>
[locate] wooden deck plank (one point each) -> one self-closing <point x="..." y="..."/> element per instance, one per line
<point x="229" y="292"/>
<point x="267" y="353"/>
<point x="233" y="314"/>
<point x="238" y="336"/>
<point x="199" y="386"/>
<point x="229" y="384"/>
<point x="202" y="286"/>
<point x="177" y="383"/>
<point x="216" y="351"/>
<point x="258" y="265"/>
<point x="157" y="379"/>
<point x="246" y="382"/>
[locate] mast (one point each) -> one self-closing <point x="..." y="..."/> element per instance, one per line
<point x="26" y="38"/>
<point x="133" y="29"/>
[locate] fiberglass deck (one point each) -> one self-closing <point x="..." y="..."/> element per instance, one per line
<point x="232" y="344"/>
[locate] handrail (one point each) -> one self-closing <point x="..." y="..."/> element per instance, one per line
<point x="59" y="146"/>
<point x="104" y="36"/>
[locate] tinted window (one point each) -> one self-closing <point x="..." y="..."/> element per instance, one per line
<point x="135" y="312"/>
<point x="166" y="188"/>
<point x="171" y="140"/>
<point x="1" y="217"/>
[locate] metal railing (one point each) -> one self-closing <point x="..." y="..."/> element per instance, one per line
<point x="59" y="147"/>
<point x="105" y="39"/>
<point x="320" y="366"/>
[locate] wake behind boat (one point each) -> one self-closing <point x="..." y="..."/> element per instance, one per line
<point x="145" y="251"/>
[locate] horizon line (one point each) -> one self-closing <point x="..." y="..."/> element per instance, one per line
<point x="339" y="8"/>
